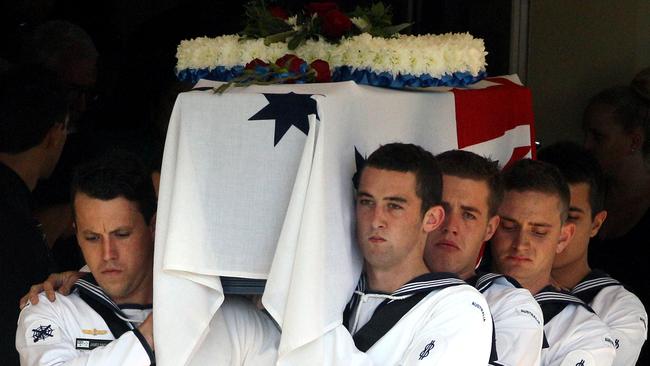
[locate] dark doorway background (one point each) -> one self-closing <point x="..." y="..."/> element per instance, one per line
<point x="137" y="41"/>
<point x="141" y="34"/>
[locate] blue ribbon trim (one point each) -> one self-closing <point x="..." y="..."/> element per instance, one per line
<point x="346" y="73"/>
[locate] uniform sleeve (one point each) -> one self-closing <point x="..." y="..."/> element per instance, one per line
<point x="518" y="322"/>
<point x="41" y="339"/>
<point x="627" y="322"/>
<point x="259" y="342"/>
<point x="458" y="331"/>
<point x="587" y="342"/>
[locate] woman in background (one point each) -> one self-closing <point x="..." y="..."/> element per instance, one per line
<point x="617" y="127"/>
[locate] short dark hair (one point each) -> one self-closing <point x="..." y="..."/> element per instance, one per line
<point x="468" y="165"/>
<point x="532" y="175"/>
<point x="631" y="107"/>
<point x="32" y="100"/>
<point x="117" y="173"/>
<point x="578" y="165"/>
<point x="410" y="158"/>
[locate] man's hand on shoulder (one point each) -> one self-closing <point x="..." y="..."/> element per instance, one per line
<point x="61" y="282"/>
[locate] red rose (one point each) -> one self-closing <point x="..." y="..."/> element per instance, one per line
<point x="294" y="64"/>
<point x="322" y="71"/>
<point x="282" y="61"/>
<point x="321" y="9"/>
<point x="255" y="63"/>
<point x="335" y="24"/>
<point x="278" y="12"/>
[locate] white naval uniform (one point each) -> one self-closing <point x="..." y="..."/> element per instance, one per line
<point x="438" y="330"/>
<point x="239" y="334"/>
<point x="620" y="309"/>
<point x="574" y="334"/>
<point x="69" y="331"/>
<point x="51" y="333"/>
<point x="518" y="319"/>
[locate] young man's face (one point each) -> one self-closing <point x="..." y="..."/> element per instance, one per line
<point x="117" y="244"/>
<point x="529" y="236"/>
<point x="606" y="138"/>
<point x="456" y="244"/>
<point x="586" y="227"/>
<point x="390" y="224"/>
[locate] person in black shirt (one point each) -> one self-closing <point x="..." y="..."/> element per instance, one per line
<point x="33" y="130"/>
<point x="617" y="131"/>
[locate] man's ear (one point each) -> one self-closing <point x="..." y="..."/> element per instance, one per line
<point x="433" y="218"/>
<point x="637" y="137"/>
<point x="597" y="223"/>
<point x="493" y="224"/>
<point x="566" y="234"/>
<point x="55" y="135"/>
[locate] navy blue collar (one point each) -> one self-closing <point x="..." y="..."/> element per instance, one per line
<point x="553" y="301"/>
<point x="591" y="285"/>
<point x="423" y="283"/>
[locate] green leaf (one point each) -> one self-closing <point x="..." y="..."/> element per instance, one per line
<point x="377" y="10"/>
<point x="393" y="29"/>
<point x="278" y="37"/>
<point x="222" y="88"/>
<point x="296" y="41"/>
<point x="260" y="22"/>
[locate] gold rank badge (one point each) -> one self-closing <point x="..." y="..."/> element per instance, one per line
<point x="94" y="332"/>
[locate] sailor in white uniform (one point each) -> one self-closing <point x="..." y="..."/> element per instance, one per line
<point x="471" y="194"/>
<point x="108" y="319"/>
<point x="532" y="231"/>
<point x="88" y="328"/>
<point x="573" y="333"/>
<point x="419" y="322"/>
<point x="401" y="314"/>
<point x="620" y="309"/>
<point x="81" y="329"/>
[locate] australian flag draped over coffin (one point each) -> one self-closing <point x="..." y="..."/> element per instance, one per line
<point x="257" y="183"/>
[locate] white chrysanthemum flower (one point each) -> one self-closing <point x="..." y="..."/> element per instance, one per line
<point x="435" y="55"/>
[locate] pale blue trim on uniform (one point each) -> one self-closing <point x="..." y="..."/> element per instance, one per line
<point x="558" y="296"/>
<point x="98" y="293"/>
<point x="416" y="286"/>
<point x="485" y="281"/>
<point x="595" y="283"/>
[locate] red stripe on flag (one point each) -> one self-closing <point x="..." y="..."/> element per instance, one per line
<point x="485" y="114"/>
<point x="517" y="154"/>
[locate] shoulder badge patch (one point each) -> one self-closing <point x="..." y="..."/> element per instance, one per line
<point x="42" y="332"/>
<point x="578" y="358"/>
<point x="427" y="348"/>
